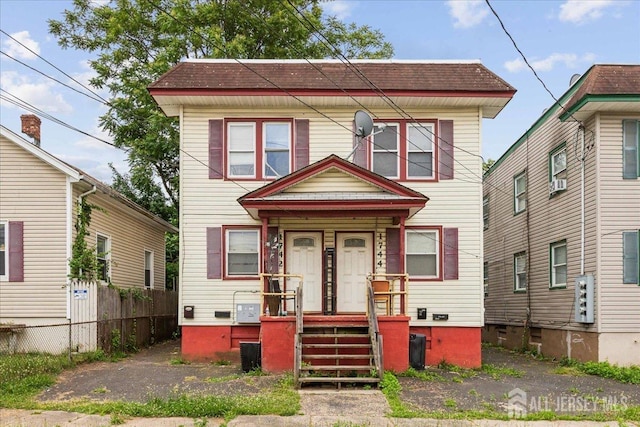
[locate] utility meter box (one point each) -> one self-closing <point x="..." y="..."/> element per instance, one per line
<point x="248" y="313"/>
<point x="584" y="303"/>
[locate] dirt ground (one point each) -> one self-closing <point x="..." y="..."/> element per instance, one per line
<point x="151" y="373"/>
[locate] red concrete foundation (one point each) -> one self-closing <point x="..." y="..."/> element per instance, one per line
<point x="455" y="345"/>
<point x="395" y="342"/>
<point x="277" y="336"/>
<point x="213" y="343"/>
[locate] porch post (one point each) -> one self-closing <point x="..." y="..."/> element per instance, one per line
<point x="265" y="234"/>
<point x="402" y="265"/>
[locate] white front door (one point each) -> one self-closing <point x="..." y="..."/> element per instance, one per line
<point x="304" y="256"/>
<point x="354" y="260"/>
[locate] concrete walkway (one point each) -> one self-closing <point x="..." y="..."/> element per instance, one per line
<point x="366" y="408"/>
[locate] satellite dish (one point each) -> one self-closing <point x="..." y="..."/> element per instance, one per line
<point x="364" y="124"/>
<point x="574" y="79"/>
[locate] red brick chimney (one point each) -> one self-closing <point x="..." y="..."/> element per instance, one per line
<point x="31" y="127"/>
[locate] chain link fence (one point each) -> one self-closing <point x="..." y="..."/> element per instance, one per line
<point x="126" y="335"/>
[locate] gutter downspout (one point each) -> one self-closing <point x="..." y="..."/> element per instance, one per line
<point x="582" y="207"/>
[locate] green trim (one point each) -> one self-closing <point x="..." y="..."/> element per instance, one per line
<point x="538" y="123"/>
<point x="625" y="97"/>
<point x="551" y="245"/>
<point x="516" y="176"/>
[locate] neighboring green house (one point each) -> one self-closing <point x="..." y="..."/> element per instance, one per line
<point x="562" y="207"/>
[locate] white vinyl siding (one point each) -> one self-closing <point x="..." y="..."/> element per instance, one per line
<point x="34" y="192"/>
<point x="558" y="264"/>
<point x="453" y="203"/>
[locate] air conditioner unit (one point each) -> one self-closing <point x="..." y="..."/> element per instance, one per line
<point x="557" y="185"/>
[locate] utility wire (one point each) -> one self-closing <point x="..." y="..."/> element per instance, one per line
<point x="45" y="60"/>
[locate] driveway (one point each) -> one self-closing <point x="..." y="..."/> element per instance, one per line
<point x="156" y="372"/>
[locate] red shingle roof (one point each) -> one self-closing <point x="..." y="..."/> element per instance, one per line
<point x="608" y="80"/>
<point x="385" y="75"/>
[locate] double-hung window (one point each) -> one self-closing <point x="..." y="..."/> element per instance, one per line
<point x="520" y="192"/>
<point x="485" y="212"/>
<point x="422" y="253"/>
<point x="630" y="149"/>
<point x="259" y="149"/>
<point x="420" y="150"/>
<point x="103" y="254"/>
<point x="520" y="272"/>
<point x="242" y="252"/>
<point x="558" y="169"/>
<point x="4" y="252"/>
<point x="404" y="150"/>
<point x="631" y="257"/>
<point x="558" y="264"/>
<point x="385" y="151"/>
<point x="485" y="278"/>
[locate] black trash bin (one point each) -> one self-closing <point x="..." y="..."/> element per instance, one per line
<point x="417" y="348"/>
<point x="250" y="356"/>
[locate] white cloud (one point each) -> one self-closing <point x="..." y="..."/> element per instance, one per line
<point x="14" y="48"/>
<point x="93" y="144"/>
<point x="39" y="94"/>
<point x="570" y="60"/>
<point x="341" y="9"/>
<point x="581" y="11"/>
<point x="467" y="13"/>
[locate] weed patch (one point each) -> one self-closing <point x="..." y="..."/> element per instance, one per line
<point x="624" y="374"/>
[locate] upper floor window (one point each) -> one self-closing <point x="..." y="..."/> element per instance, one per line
<point x="520" y="272"/>
<point x="103" y="254"/>
<point x="558" y="264"/>
<point x="631" y="149"/>
<point x="242" y="252"/>
<point x="4" y="253"/>
<point x="485" y="212"/>
<point x="485" y="278"/>
<point x="404" y="150"/>
<point x="520" y="192"/>
<point x="422" y="253"/>
<point x="558" y="169"/>
<point x="258" y="149"/>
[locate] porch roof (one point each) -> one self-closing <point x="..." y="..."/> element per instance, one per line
<point x="382" y="198"/>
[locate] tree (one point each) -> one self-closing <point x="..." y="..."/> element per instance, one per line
<point x="487" y="165"/>
<point x="136" y="41"/>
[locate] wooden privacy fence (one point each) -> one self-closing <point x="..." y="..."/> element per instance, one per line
<point x="115" y="319"/>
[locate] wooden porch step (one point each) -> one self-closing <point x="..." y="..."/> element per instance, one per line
<point x="339" y="380"/>
<point x="334" y="325"/>
<point x="337" y="368"/>
<point x="338" y="356"/>
<point x="333" y="335"/>
<point x="336" y="345"/>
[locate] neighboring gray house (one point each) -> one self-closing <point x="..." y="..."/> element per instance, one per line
<point x="562" y="207"/>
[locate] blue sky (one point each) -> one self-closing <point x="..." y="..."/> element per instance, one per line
<point x="559" y="38"/>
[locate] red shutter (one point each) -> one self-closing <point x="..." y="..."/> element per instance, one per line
<point x="394" y="262"/>
<point x="302" y="144"/>
<point x="272" y="250"/>
<point x="16" y="251"/>
<point x="450" y="241"/>
<point x="216" y="154"/>
<point x="214" y="253"/>
<point x="445" y="150"/>
<point x="360" y="146"/>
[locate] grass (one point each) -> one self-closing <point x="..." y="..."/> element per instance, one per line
<point x="623" y="374"/>
<point x="25" y="375"/>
